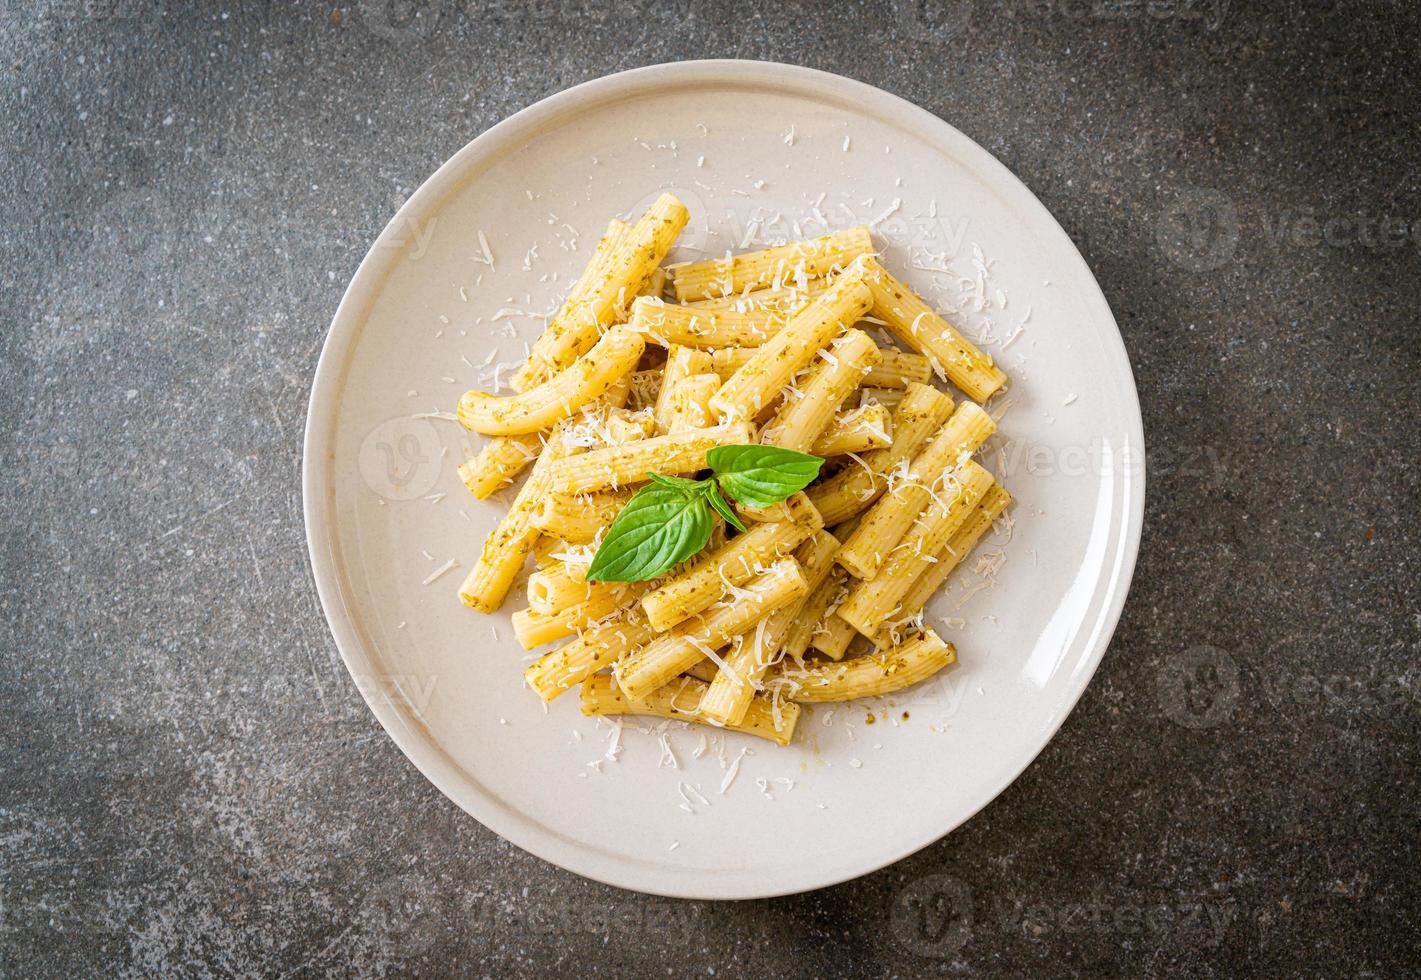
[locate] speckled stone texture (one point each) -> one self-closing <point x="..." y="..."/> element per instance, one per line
<point x="191" y="782"/>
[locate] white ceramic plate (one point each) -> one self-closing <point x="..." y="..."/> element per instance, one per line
<point x="758" y="152"/>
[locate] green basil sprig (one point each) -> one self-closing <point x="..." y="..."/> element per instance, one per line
<point x="759" y="476"/>
<point x="670" y="520"/>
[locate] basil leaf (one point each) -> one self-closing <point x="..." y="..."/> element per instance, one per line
<point x="758" y="476"/>
<point x="723" y="509"/>
<point x="657" y="528"/>
<point x="679" y="483"/>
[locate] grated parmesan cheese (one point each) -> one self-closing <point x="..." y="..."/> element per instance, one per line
<point x="439" y="571"/>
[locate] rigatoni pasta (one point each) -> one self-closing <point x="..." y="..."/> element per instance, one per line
<point x="563" y="669"/>
<point x="554" y="588"/>
<point x="895" y="368"/>
<point x="749" y="606"/>
<point x="805" y="417"/>
<point x="669" y="324"/>
<point x="765" y="374"/>
<point x="873" y="675"/>
<point x="874" y="600"/>
<point x="796" y="509"/>
<point x="730" y="694"/>
<point x="812" y="613"/>
<point x="498" y="463"/>
<point x="680" y="699"/>
<point x="619" y="466"/>
<point x="832" y="635"/>
<point x="797" y="262"/>
<point x="511" y="542"/>
<point x="537" y="368"/>
<point x="533" y="628"/>
<point x="898" y="369"/>
<point x="577" y="518"/>
<point x="915" y="323"/>
<point x="780" y="301"/>
<point x="648" y="668"/>
<point x="681" y="363"/>
<point x="734" y="564"/>
<point x="949" y="556"/>
<point x="926" y="480"/>
<point x="690" y="403"/>
<point x="856" y="431"/>
<point x="616" y="282"/>
<point x="919" y="416"/>
<point x="612" y="358"/>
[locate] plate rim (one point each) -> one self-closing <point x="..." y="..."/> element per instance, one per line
<point x="317" y="490"/>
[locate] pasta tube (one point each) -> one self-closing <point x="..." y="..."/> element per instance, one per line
<point x="920" y="415"/>
<point x="578" y="519"/>
<point x="761" y="378"/>
<point x="729" y="695"/>
<point x="833" y="636"/>
<point x="504" y="457"/>
<point x="679" y="454"/>
<point x="655" y="283"/>
<point x="705" y="670"/>
<point x="533" y="629"/>
<point x="858" y="431"/>
<point x="555" y="587"/>
<point x="681" y="363"/>
<point x="725" y="569"/>
<point x="877" y="599"/>
<point x="631" y="264"/>
<point x="650" y="666"/>
<point x="618" y="393"/>
<point x="804" y="419"/>
<point x="613" y="357"/>
<point x="690" y="403"/>
<point x="898" y="369"/>
<point x="536" y="369"/>
<point x="624" y="427"/>
<point x="570" y="664"/>
<point x="812" y="614"/>
<point x="505" y="550"/>
<point x="884" y="526"/>
<point x="795" y="508"/>
<point x="993" y="502"/>
<point x="889" y="398"/>
<point x="727" y="360"/>
<point x="679" y="700"/>
<point x="557" y="553"/>
<point x="793" y="263"/>
<point x="782" y="301"/>
<point x="668" y="324"/>
<point x="895" y="369"/>
<point x="498" y="463"/>
<point x="915" y="323"/>
<point x="873" y="675"/>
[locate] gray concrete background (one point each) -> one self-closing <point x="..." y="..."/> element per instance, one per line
<point x="191" y="784"/>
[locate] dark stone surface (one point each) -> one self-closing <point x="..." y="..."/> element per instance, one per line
<point x="191" y="783"/>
